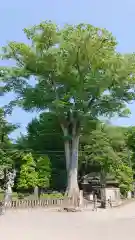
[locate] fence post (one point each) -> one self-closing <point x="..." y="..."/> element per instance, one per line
<point x="81" y="200"/>
<point x="94" y="202"/>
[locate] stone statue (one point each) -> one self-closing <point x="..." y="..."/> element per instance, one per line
<point x="10" y="176"/>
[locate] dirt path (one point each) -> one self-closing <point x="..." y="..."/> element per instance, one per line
<point x="113" y="224"/>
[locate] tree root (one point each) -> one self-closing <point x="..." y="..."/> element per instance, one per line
<point x="67" y="209"/>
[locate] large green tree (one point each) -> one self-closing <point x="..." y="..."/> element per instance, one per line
<point x="78" y="75"/>
<point x="106" y="149"/>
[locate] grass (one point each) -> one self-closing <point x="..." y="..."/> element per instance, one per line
<point x="16" y="196"/>
<point x="52" y="195"/>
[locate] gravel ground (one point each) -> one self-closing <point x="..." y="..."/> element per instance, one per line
<point x="117" y="223"/>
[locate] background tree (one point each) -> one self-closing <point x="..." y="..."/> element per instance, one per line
<point x="79" y="76"/>
<point x="6" y="151"/>
<point x="44" y="138"/>
<point x="43" y="167"/>
<point x="106" y="149"/>
<point x="28" y="178"/>
<point x="130" y="141"/>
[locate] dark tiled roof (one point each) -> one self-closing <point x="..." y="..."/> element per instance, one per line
<point x="96" y="176"/>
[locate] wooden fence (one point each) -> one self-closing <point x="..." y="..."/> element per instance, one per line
<point x="48" y="203"/>
<point x="45" y="203"/>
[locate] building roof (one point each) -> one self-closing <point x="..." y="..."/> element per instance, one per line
<point x="95" y="177"/>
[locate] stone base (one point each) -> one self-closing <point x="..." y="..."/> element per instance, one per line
<point x="129" y="195"/>
<point x="110" y="197"/>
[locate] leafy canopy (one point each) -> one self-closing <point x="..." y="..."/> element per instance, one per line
<point x="76" y="69"/>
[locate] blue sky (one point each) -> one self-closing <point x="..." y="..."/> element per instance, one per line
<point x="116" y="15"/>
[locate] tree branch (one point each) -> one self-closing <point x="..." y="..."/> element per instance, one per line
<point x="16" y="58"/>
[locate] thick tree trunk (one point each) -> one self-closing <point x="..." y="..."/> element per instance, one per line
<point x="73" y="167"/>
<point x="67" y="148"/>
<point x="72" y="184"/>
<point x="67" y="154"/>
<point x="71" y="154"/>
<point x="68" y="158"/>
<point x="103" y="185"/>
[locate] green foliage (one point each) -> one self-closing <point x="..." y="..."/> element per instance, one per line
<point x="43" y="167"/>
<point x="106" y="148"/>
<point x="44" y="137"/>
<point x="78" y="72"/>
<point x="104" y="145"/>
<point x="44" y="134"/>
<point x="28" y="176"/>
<point x="130" y="140"/>
<point x="124" y="175"/>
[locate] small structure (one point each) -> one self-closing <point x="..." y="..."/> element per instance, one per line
<point x="108" y="194"/>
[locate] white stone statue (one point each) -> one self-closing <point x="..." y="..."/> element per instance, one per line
<point x="10" y="176"/>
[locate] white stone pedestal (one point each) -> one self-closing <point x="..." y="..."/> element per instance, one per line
<point x="129" y="195"/>
<point x="81" y="202"/>
<point x="110" y="195"/>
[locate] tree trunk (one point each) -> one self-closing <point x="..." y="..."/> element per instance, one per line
<point x="103" y="185"/>
<point x="72" y="185"/>
<point x="67" y="154"/>
<point x="71" y="154"/>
